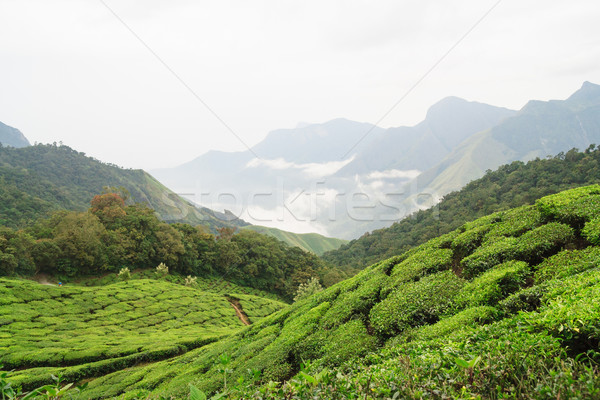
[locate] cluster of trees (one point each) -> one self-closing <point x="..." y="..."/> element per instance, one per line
<point x="111" y="235"/>
<point x="509" y="186"/>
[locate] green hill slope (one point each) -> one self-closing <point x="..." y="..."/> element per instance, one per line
<point x="509" y="186"/>
<point x="39" y="179"/>
<point x="84" y="332"/>
<point x="312" y="242"/>
<point x="506" y="306"/>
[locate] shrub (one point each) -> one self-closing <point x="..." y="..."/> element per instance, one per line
<point x="190" y="280"/>
<point x="591" y="231"/>
<point x="424" y="262"/>
<point x="415" y="303"/>
<point x="566" y="263"/>
<point x="534" y="245"/>
<point x="467" y="318"/>
<point x="528" y="299"/>
<point x="124" y="274"/>
<point x="466" y="242"/>
<point x="354" y="302"/>
<point x="162" y="270"/>
<point x="573" y="207"/>
<point x="488" y="255"/>
<point x="307" y="289"/>
<point x="348" y="341"/>
<point x="516" y="222"/>
<point x="574" y="317"/>
<point x="493" y="285"/>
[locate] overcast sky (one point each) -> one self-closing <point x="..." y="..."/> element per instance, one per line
<point x="71" y="71"/>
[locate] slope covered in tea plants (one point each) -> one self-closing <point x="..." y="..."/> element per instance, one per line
<point x="511" y="185"/>
<point x="506" y="306"/>
<point x="83" y="332"/>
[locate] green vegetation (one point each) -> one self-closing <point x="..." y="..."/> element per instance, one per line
<point x="308" y="288"/>
<point x="415" y="327"/>
<point x="112" y="236"/>
<point x="509" y="186"/>
<point x="82" y="332"/>
<point x="40" y="179"/>
<point x="312" y="242"/>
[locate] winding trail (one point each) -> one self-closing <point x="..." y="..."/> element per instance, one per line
<point x="238" y="310"/>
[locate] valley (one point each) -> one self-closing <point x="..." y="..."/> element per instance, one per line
<point x="113" y="286"/>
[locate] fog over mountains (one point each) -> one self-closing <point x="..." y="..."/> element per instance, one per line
<point x="342" y="178"/>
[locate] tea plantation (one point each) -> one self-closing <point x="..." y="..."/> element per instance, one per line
<point x="83" y="332"/>
<point x="504" y="307"/>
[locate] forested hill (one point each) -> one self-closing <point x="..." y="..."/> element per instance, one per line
<point x="38" y="179"/>
<point x="312" y="242"/>
<point x="509" y="186"/>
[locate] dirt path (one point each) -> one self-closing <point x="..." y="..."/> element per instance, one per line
<point x="238" y="310"/>
<point x="42" y="279"/>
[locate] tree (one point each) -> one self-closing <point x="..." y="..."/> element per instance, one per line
<point x="309" y="288"/>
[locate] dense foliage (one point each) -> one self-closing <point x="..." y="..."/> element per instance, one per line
<point x="112" y="235"/>
<point x="421" y="324"/>
<point x="37" y="180"/>
<point x="509" y="186"/>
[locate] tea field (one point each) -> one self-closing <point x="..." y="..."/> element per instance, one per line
<point x="505" y="307"/>
<point x="208" y="283"/>
<point x="84" y="332"/>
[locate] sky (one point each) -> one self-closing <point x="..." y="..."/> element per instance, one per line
<point x="151" y="84"/>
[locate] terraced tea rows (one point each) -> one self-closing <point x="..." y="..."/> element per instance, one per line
<point x="506" y="306"/>
<point x="85" y="332"/>
<point x="213" y="284"/>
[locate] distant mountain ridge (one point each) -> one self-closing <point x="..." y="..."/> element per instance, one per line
<point x="539" y="129"/>
<point x="312" y="158"/>
<point x="13" y="137"/>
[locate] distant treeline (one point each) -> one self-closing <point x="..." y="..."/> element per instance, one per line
<point x="112" y="235"/>
<point x="510" y="186"/>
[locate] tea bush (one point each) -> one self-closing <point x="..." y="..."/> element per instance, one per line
<point x="488" y="255"/>
<point x="493" y="285"/>
<point x="416" y="303"/>
<point x="566" y="263"/>
<point x="573" y="207"/>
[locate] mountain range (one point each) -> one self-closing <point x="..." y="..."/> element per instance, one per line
<point x="342" y="178"/>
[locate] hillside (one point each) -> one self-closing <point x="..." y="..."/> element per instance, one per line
<point x="506" y="306"/>
<point x="539" y="129"/>
<point x="43" y="178"/>
<point x="13" y="137"/>
<point x="509" y="186"/>
<point x="312" y="242"/>
<point x="85" y="332"/>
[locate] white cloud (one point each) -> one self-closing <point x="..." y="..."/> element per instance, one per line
<point x="394" y="173"/>
<point x="312" y="170"/>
